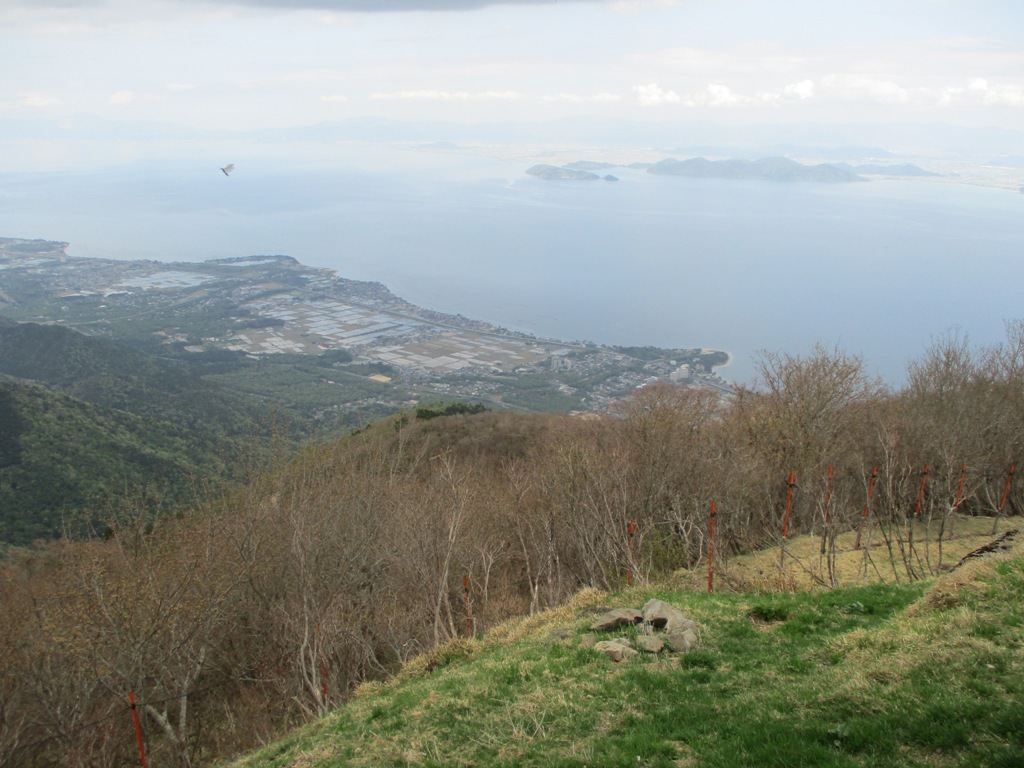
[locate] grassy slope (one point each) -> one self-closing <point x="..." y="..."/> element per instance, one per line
<point x="929" y="673"/>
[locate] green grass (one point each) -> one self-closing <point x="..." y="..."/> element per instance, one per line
<point x="925" y="674"/>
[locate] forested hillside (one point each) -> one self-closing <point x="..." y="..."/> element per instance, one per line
<point x="85" y="421"/>
<point x="257" y="612"/>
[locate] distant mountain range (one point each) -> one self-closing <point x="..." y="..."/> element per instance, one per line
<point x="768" y="169"/>
<point x="771" y="169"/>
<point x="897" y="169"/>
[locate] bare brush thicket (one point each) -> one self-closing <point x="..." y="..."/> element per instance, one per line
<point x="253" y="614"/>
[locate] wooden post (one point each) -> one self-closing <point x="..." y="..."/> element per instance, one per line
<point x="138" y="729"/>
<point x="1002" y="501"/>
<point x="789" y="504"/>
<point x="711" y="548"/>
<point x="867" y="506"/>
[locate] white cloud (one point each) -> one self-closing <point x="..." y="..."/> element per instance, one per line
<point x="719" y="95"/>
<point x="791" y="93"/>
<point x="40" y="100"/>
<point x="802" y="90"/>
<point x="997" y="95"/>
<point x="121" y="97"/>
<point x="864" y="88"/>
<point x="431" y="95"/>
<point x="574" y="98"/>
<point x="653" y="95"/>
<point x="950" y="96"/>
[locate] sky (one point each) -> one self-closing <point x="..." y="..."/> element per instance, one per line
<point x="155" y="95"/>
<point x="230" y="65"/>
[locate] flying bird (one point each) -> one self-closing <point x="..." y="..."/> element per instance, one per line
<point x="227" y="169"/>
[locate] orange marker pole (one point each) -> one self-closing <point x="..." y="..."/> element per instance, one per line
<point x="138" y="729"/>
<point x="711" y="548"/>
<point x="1006" y="488"/>
<point x="1002" y="500"/>
<point x="789" y="504"/>
<point x="960" y="489"/>
<point x="867" y="506"/>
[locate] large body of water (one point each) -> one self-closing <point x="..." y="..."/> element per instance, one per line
<point x="878" y="268"/>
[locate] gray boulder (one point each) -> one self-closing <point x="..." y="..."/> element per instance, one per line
<point x="649" y="644"/>
<point x="661" y="615"/>
<point x="617" y="618"/>
<point x="616" y="650"/>
<point x="681" y="642"/>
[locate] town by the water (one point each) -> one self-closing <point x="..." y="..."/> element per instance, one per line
<point x="273" y="308"/>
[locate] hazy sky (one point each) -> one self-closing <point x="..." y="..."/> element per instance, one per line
<point x="234" y="64"/>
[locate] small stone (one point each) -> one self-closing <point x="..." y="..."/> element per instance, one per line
<point x="615" y="650"/>
<point x="617" y="617"/>
<point x="681" y="642"/>
<point x="661" y="615"/>
<point x="588" y="641"/>
<point x="649" y="644"/>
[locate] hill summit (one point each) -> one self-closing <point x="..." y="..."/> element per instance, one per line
<point x="926" y="672"/>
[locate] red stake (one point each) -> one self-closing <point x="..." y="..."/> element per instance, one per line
<point x="867" y="506"/>
<point x="469" y="618"/>
<point x="789" y="503"/>
<point x="1006" y="488"/>
<point x="138" y="729"/>
<point x="960" y="489"/>
<point x="711" y="547"/>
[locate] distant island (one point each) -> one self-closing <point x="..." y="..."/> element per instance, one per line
<point x="767" y="169"/>
<point x="899" y="169"/>
<point x="565" y="172"/>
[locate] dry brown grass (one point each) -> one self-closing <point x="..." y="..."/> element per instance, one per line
<point x="526" y="626"/>
<point x="801" y="566"/>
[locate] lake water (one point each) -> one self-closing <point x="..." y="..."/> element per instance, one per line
<point x="877" y="268"/>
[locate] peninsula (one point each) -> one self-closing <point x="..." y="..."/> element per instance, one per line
<point x="336" y="348"/>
